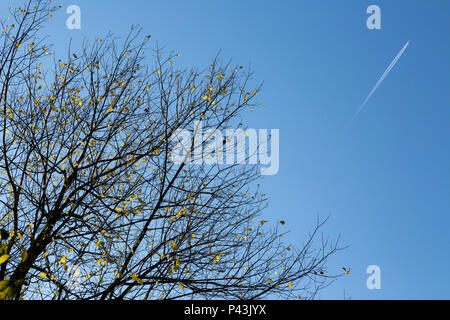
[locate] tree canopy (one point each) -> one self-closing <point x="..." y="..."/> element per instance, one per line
<point x="91" y="205"/>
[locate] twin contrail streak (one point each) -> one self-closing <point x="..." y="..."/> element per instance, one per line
<point x="381" y="79"/>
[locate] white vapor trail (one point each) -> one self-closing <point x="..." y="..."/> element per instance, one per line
<point x="381" y="79"/>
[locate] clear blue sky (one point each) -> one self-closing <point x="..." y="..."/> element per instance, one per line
<point x="385" y="178"/>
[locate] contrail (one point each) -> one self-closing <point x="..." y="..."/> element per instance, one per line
<point x="381" y="79"/>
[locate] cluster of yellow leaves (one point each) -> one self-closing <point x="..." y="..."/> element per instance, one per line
<point x="135" y="278"/>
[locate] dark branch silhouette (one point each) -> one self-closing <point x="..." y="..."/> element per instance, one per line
<point x="92" y="205"/>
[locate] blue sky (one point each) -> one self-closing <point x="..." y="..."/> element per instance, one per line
<point x="384" y="178"/>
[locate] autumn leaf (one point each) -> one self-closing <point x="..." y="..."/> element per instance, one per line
<point x="4" y="258"/>
<point x="136" y="278"/>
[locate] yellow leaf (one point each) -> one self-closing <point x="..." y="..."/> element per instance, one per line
<point x="63" y="260"/>
<point x="43" y="275"/>
<point x="4" y="258"/>
<point x="136" y="278"/>
<point x="24" y="254"/>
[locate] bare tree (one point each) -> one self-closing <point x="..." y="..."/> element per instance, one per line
<point x="92" y="205"/>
